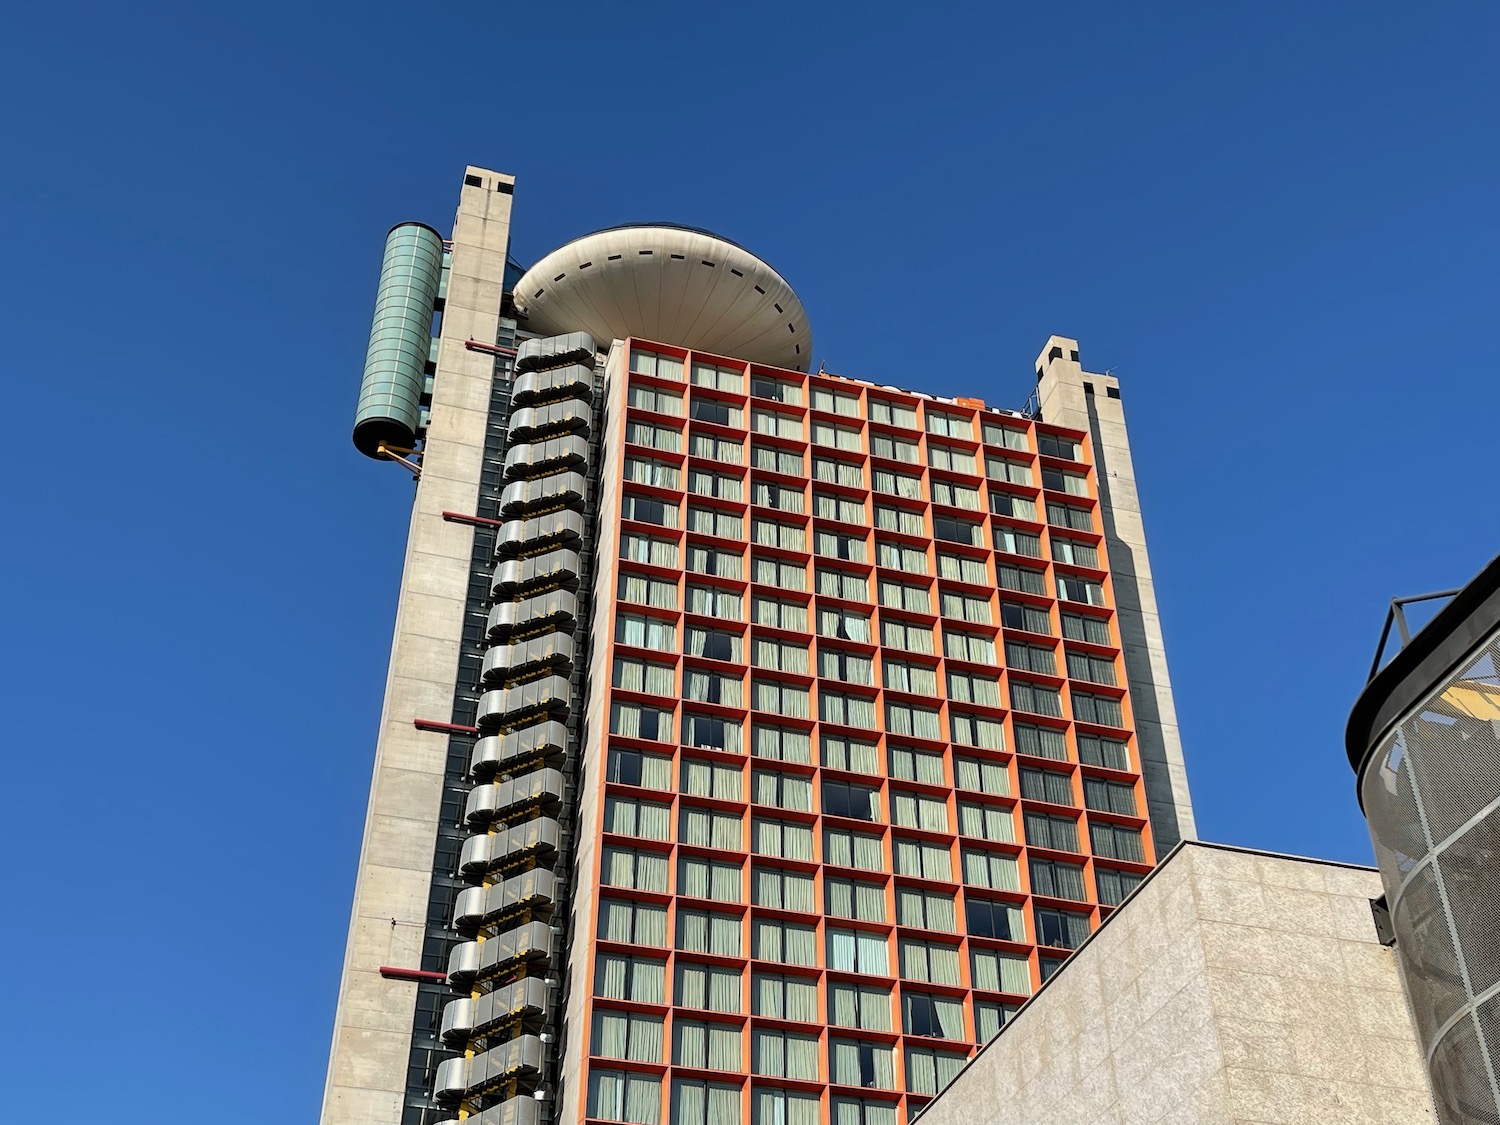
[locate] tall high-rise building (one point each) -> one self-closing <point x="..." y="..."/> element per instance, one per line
<point x="756" y="739"/>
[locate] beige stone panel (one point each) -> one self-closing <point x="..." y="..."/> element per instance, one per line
<point x="431" y="615"/>
<point x="372" y="1059"/>
<point x="342" y="1103"/>
<point x="399" y="841"/>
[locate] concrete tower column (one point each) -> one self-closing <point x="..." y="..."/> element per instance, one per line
<point x="1080" y="400"/>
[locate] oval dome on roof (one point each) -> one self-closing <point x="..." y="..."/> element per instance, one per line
<point x="669" y="283"/>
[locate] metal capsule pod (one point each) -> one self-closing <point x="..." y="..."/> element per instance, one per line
<point x="481" y="960"/>
<point x="525" y="1000"/>
<point x="535" y="459"/>
<point x="546" y="352"/>
<point x="554" y="651"/>
<point x="551" y="611"/>
<point x="534" y="890"/>
<point x="550" y="698"/>
<point x="495" y="851"/>
<point x="538" y="494"/>
<point x="541" y="742"/>
<point x="552" y="419"/>
<point x="516" y="577"/>
<point x="539" y="533"/>
<point x="518" y="1059"/>
<point x="503" y="799"/>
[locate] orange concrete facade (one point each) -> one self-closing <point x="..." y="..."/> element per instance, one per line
<point x="860" y="765"/>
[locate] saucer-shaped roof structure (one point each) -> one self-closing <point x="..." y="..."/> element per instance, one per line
<point x="672" y="284"/>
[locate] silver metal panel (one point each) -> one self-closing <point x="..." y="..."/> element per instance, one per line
<point x="451" y="1080"/>
<point x="537" y="458"/>
<point x="500" y="799"/>
<point x="556" y="351"/>
<point x="557" y="567"/>
<point x="532" y="889"/>
<point x="492" y="851"/>
<point x="552" y="419"/>
<point x="496" y="751"/>
<point x="552" y="609"/>
<point x="534" y="387"/>
<point x="555" y="529"/>
<point x="551" y="650"/>
<point x="517" y="1111"/>
<point x="549" y="697"/>
<point x="537" y="494"/>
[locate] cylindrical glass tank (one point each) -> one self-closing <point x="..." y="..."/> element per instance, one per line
<point x="390" y="393"/>
<point x="1425" y="740"/>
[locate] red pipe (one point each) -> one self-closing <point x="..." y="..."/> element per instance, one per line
<point x="390" y="973"/>
<point x="435" y="727"/>
<point x="493" y="349"/>
<point x="460" y="517"/>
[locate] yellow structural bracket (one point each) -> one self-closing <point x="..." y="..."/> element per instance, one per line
<point x="394" y="453"/>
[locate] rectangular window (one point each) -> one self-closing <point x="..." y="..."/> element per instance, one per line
<point x="782" y="656"/>
<point x="898" y="595"/>
<point x="923" y="859"/>
<point x="842" y="584"/>
<point x="1029" y="618"/>
<point x="632" y="767"/>
<point x="726" y="451"/>
<point x="911" y="719"/>
<point x="1066" y="515"/>
<point x="711" y="779"/>
<point x="1109" y="796"/>
<point x="1003" y="468"/>
<point x="709" y="733"/>
<point x="707" y="1046"/>
<point x="784" y="997"/>
<point x="717" y="413"/>
<point x="1035" y="698"/>
<point x="1021" y="578"/>
<point x="777" y="698"/>
<point x="844" y="624"/>
<point x="918" y="679"/>
<point x="1030" y="658"/>
<point x="1060" y="833"/>
<point x="713" y="521"/>
<point x="861" y="1111"/>
<point x="619" y="976"/>
<point x="979" y="775"/>
<point x="855" y="802"/>
<point x="906" y="636"/>
<point x="632" y="720"/>
<point x="636" y="923"/>
<point x="779" y="497"/>
<point x="714" y="644"/>
<point x="994" y="919"/>
<point x="835" y="402"/>
<point x="633" y="868"/>
<point x="990" y="1017"/>
<point x="941" y="1017"/>
<point x="705" y="1103"/>
<point x="785" y="1107"/>
<point x="714" y="601"/>
<point x="991" y="870"/>
<point x="1060" y="929"/>
<point x="616" y="1095"/>
<point x="1094" y="669"/>
<point x="702" y="931"/>
<point x="851" y="754"/>
<point x="928" y="961"/>
<point x="889" y="518"/>
<point x="1113" y="842"/>
<point x="1113" y="885"/>
<point x="644" y="510"/>
<point x="972" y="687"/>
<point x="860" y="1062"/>
<point x="951" y="460"/>
<point x="653" y="363"/>
<point x="955" y="495"/>
<point x="1008" y="504"/>
<point x="665" y="438"/>
<point x="1055" y="879"/>
<point x="1079" y="554"/>
<point x="703" y="878"/>
<point x="962" y="568"/>
<point x="635" y="547"/>
<point x="858" y="1005"/>
<point x="1008" y="437"/>
<point x="1041" y="742"/>
<point x="923" y="766"/>
<point x="784" y="890"/>
<point x="644" y="676"/>
<point x="893" y="483"/>
<point x="966" y="607"/>
<point x="720" y="563"/>
<point x="627" y="816"/>
<point x="1015" y="542"/>
<point x="779" y="614"/>
<point x="707" y="828"/>
<point x="1000" y="972"/>
<point x="789" y="943"/>
<point x="929" y="1071"/>
<point x="895" y="556"/>
<point x="627" y="1035"/>
<point x="854" y="951"/>
<point x="918" y="810"/>
<point x="783" y="790"/>
<point x="1046" y="785"/>
<point x="927" y="910"/>
<point x="1110" y="753"/>
<point x="844" y="847"/>
<point x="657" y="400"/>
<point x="777" y="390"/>
<point x="658" y="474"/>
<point x="833" y="545"/>
<point x="850" y="898"/>
<point x="894" y="449"/>
<point x="973" y="647"/>
<point x="720" y="378"/>
<point x="1057" y="480"/>
<point x="1101" y="709"/>
<point x="836" y="437"/>
<point x="779" y="838"/>
<point x="775" y="460"/>
<point x="950" y="529"/>
<point x="784" y="1054"/>
<point x="1094" y="630"/>
<point x="770" y="533"/>
<point x="949" y="425"/>
<point x="775" y="572"/>
<point x="782" y="745"/>
<point x="830" y="470"/>
<point x="775" y="423"/>
<point x="836" y="664"/>
<point x="893" y="413"/>
<point x="986" y="822"/>
<point x="1055" y="445"/>
<point x="849" y="710"/>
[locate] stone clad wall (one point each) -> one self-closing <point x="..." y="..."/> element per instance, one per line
<point x="1234" y="987"/>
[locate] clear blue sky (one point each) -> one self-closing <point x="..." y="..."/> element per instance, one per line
<point x="1275" y="222"/>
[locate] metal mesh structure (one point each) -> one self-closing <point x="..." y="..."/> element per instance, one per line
<point x="1430" y="786"/>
